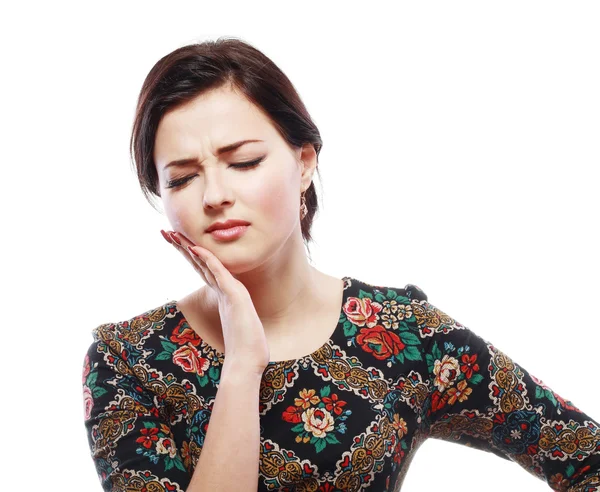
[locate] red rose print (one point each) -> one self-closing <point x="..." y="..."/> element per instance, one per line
<point x="363" y="311"/>
<point x="380" y="342"/>
<point x="183" y="334"/>
<point x="189" y="360"/>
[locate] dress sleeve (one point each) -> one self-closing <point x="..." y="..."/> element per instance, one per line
<point x="479" y="397"/>
<point x="132" y="447"/>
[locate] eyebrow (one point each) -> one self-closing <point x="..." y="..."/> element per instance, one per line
<point x="222" y="150"/>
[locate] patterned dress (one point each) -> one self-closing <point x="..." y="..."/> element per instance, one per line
<point x="349" y="416"/>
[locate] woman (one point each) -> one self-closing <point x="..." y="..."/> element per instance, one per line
<point x="328" y="384"/>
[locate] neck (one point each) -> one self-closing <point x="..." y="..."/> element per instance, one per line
<point x="286" y="291"/>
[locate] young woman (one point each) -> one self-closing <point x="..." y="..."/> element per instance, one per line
<point x="274" y="375"/>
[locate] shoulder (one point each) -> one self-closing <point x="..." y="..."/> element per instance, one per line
<point x="415" y="292"/>
<point x="410" y="291"/>
<point x="409" y="303"/>
<point x="407" y="306"/>
<point x="122" y="336"/>
<point x="387" y="304"/>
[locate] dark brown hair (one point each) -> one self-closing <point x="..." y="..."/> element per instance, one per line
<point x="191" y="70"/>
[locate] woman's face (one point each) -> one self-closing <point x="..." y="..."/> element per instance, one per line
<point x="211" y="189"/>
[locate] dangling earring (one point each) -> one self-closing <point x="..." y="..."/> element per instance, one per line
<point x="303" y="209"/>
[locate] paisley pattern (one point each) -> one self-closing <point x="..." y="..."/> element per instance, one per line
<point x="350" y="416"/>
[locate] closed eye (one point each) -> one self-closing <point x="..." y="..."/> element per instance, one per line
<point x="176" y="183"/>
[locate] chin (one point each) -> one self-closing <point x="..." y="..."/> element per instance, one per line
<point x="244" y="265"/>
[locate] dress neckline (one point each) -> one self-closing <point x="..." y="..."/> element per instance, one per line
<point x="348" y="282"/>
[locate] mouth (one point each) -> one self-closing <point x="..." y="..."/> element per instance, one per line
<point x="227" y="224"/>
<point x="229" y="233"/>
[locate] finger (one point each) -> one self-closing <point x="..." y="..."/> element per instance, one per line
<point x="194" y="254"/>
<point x="198" y="265"/>
<point x="167" y="236"/>
<point x="198" y="255"/>
<point x="202" y="270"/>
<point x="181" y="239"/>
<point x="223" y="278"/>
<point x="215" y="271"/>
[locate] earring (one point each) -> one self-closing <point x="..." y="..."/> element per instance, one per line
<point x="303" y="209"/>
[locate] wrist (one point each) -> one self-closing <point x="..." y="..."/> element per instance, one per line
<point x="236" y="370"/>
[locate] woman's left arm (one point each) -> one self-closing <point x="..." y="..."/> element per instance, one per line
<point x="479" y="397"/>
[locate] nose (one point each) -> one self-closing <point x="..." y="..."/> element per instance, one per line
<point x="216" y="193"/>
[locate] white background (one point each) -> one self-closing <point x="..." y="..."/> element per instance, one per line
<point x="461" y="154"/>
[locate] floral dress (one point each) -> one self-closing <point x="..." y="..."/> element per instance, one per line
<point x="349" y="416"/>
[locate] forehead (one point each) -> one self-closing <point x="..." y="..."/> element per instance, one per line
<point x="215" y="118"/>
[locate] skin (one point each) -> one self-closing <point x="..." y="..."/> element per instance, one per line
<point x="269" y="259"/>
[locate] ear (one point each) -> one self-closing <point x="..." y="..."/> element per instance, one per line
<point x="308" y="163"/>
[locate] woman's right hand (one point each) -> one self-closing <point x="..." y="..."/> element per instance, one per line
<point x="243" y="333"/>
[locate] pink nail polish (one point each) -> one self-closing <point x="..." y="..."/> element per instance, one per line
<point x="189" y="248"/>
<point x="166" y="236"/>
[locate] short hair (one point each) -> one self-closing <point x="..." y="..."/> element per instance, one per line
<point x="186" y="72"/>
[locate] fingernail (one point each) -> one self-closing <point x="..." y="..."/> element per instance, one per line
<point x="189" y="248"/>
<point x="166" y="236"/>
<point x="175" y="238"/>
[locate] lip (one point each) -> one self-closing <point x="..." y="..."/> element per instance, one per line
<point x="227" y="224"/>
<point x="230" y="233"/>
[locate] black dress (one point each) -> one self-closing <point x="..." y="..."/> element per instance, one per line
<point x="349" y="416"/>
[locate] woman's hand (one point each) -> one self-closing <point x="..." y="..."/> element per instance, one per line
<point x="243" y="333"/>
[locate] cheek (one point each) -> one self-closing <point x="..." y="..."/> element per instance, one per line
<point x="180" y="217"/>
<point x="275" y="199"/>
